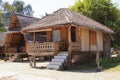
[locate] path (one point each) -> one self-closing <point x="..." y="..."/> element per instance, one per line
<point x="22" y="71"/>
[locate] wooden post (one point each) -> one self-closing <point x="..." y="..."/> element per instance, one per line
<point x="34" y="60"/>
<point x="79" y="34"/>
<point x="99" y="68"/>
<point x="69" y="34"/>
<point x="98" y="59"/>
<point x="30" y="59"/>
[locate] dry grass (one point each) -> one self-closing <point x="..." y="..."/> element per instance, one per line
<point x="1" y="60"/>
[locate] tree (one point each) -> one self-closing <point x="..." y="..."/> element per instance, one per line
<point x="16" y="6"/>
<point x="1" y="17"/>
<point x="103" y="11"/>
<point x="99" y="10"/>
<point x="19" y="7"/>
<point x="28" y="10"/>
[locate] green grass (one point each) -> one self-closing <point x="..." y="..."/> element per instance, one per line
<point x="108" y="64"/>
<point x="1" y="60"/>
<point x="111" y="64"/>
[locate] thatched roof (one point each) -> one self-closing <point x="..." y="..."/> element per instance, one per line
<point x="66" y="16"/>
<point x="2" y="38"/>
<point x="22" y="19"/>
<point x="25" y="20"/>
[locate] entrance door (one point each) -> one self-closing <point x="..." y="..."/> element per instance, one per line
<point x="56" y="35"/>
<point x="73" y="34"/>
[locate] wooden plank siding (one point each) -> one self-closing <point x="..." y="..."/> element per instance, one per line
<point x="90" y="40"/>
<point x="84" y="39"/>
<point x="64" y="34"/>
<point x="93" y="40"/>
<point x="100" y="40"/>
<point x="78" y="34"/>
<point x="96" y="41"/>
<point x="49" y="36"/>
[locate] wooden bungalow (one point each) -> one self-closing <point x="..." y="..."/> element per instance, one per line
<point x="15" y="40"/>
<point x="67" y="33"/>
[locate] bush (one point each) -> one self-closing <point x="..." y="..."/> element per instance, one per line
<point x="110" y="62"/>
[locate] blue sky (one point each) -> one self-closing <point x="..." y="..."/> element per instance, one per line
<point x="40" y="7"/>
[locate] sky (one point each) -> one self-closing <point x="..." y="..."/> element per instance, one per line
<point x="40" y="7"/>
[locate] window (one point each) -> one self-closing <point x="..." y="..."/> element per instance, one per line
<point x="93" y="38"/>
<point x="56" y="35"/>
<point x="41" y="37"/>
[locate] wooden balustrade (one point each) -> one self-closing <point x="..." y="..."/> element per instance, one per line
<point x="43" y="48"/>
<point x="75" y="46"/>
<point x="15" y="50"/>
<point x="11" y="49"/>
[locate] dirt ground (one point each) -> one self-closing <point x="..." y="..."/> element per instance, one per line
<point x="22" y="71"/>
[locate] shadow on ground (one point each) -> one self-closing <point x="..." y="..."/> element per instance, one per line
<point x="106" y="64"/>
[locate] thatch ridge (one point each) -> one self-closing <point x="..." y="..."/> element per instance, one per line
<point x="19" y="14"/>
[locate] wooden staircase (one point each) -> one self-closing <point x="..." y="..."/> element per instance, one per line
<point x="59" y="61"/>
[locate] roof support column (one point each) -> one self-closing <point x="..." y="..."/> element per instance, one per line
<point x="69" y="34"/>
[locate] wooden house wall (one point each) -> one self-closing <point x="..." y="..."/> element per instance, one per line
<point x="83" y="36"/>
<point x="98" y="46"/>
<point x="100" y="40"/>
<point x="84" y="39"/>
<point x="93" y="40"/>
<point x="78" y="34"/>
<point x="63" y="34"/>
<point x="49" y="36"/>
<point x="14" y="40"/>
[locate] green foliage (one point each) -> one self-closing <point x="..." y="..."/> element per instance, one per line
<point x="99" y="10"/>
<point x="112" y="62"/>
<point x="18" y="6"/>
<point x="7" y="9"/>
<point x="103" y="11"/>
<point x="2" y="29"/>
<point x="28" y="10"/>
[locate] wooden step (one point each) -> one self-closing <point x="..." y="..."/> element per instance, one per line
<point x="60" y="57"/>
<point x="62" y="54"/>
<point x="55" y="63"/>
<point x="58" y="60"/>
<point x="53" y="67"/>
